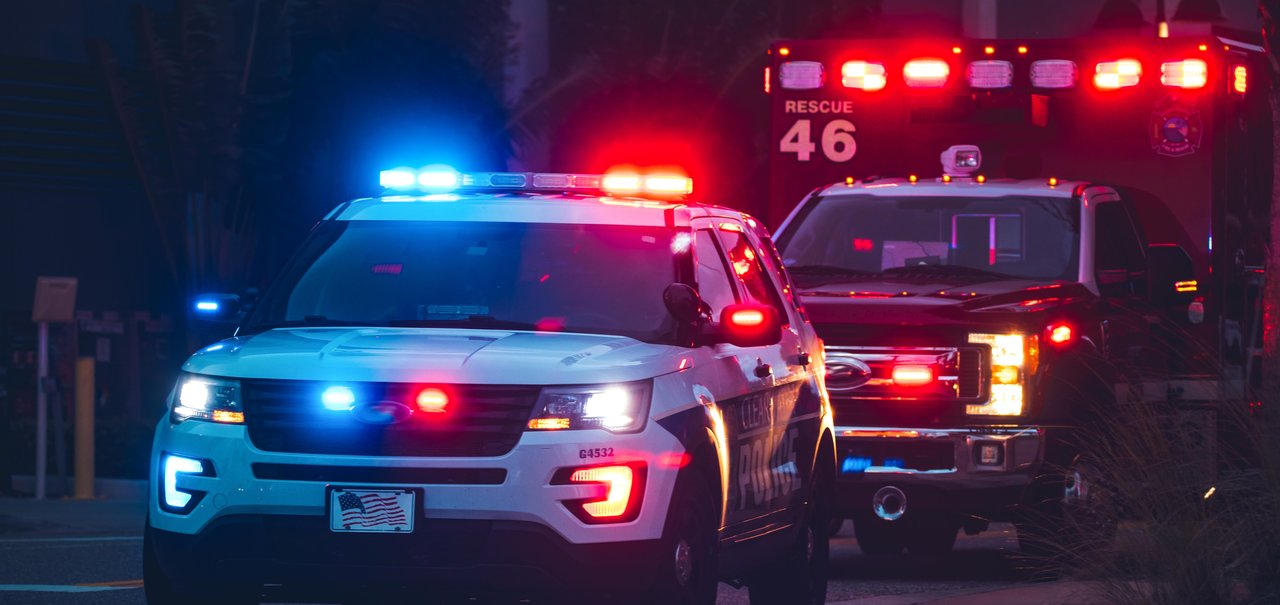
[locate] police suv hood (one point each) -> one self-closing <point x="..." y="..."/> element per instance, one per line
<point x="933" y="301"/>
<point x="435" y="355"/>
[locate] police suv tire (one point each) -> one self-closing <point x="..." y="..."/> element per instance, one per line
<point x="799" y="575"/>
<point x="878" y="538"/>
<point x="688" y="568"/>
<point x="160" y="589"/>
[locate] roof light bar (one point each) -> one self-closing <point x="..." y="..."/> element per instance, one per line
<point x="863" y="75"/>
<point x="436" y="180"/>
<point x="627" y="184"/>
<point x="926" y="73"/>
<point x="1186" y="74"/>
<point x="990" y="74"/>
<point x="1122" y="73"/>
<point x="802" y="75"/>
<point x="1053" y="73"/>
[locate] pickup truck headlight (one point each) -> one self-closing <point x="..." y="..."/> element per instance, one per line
<point x="617" y="408"/>
<point x="1012" y="356"/>
<point x="206" y="398"/>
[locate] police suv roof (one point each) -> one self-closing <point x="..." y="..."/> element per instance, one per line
<point x="527" y="207"/>
<point x="958" y="186"/>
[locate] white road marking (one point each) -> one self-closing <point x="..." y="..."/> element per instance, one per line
<point x="58" y="588"/>
<point x="81" y="539"/>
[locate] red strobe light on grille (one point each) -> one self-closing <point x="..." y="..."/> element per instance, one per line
<point x="912" y="376"/>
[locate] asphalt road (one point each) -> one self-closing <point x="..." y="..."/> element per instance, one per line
<point x="90" y="553"/>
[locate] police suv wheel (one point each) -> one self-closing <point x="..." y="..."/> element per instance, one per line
<point x="799" y="576"/>
<point x="687" y="571"/>
<point x="161" y="589"/>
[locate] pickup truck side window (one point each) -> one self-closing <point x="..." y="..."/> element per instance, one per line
<point x="1118" y="253"/>
<point x="714" y="285"/>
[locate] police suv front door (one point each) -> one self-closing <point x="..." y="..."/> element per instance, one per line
<point x="764" y="465"/>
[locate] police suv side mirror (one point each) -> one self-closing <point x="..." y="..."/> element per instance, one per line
<point x="750" y="325"/>
<point x="217" y="308"/>
<point x="683" y="303"/>
<point x="1170" y="276"/>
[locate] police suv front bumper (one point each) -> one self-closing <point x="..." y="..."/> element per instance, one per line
<point x="261" y="518"/>
<point x="979" y="470"/>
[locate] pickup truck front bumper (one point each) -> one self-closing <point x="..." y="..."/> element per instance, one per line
<point x="974" y="471"/>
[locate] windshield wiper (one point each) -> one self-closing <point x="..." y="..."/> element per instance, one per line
<point x="470" y="321"/>
<point x="955" y="270"/>
<point x="308" y="321"/>
<point x="829" y="270"/>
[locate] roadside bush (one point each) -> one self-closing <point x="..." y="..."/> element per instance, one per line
<point x="1195" y="528"/>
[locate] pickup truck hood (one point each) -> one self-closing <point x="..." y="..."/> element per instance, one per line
<point x="930" y="302"/>
<point x="434" y="355"/>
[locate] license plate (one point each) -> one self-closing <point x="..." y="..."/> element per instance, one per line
<point x="371" y="511"/>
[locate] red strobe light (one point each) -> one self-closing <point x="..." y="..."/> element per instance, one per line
<point x="912" y="376"/>
<point x="926" y="73"/>
<point x="1060" y="333"/>
<point x="1112" y="75"/>
<point x="432" y="401"/>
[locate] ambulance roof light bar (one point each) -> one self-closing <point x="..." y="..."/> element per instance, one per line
<point x="961" y="161"/>
<point x="442" y="179"/>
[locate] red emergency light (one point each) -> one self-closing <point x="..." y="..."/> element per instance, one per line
<point x="1122" y="73"/>
<point x="1187" y="73"/>
<point x="912" y="376"/>
<point x="863" y="75"/>
<point x="926" y="73"/>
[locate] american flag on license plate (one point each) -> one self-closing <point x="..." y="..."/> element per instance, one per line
<point x="369" y="509"/>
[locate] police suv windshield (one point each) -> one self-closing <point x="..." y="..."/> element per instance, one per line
<point x="852" y="236"/>
<point x="600" y="279"/>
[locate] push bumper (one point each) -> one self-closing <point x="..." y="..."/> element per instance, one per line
<point x="971" y="471"/>
<point x="299" y="556"/>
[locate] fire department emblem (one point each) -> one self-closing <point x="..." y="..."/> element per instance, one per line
<point x="1175" y="127"/>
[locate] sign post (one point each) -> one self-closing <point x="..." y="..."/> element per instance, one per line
<point x="55" y="303"/>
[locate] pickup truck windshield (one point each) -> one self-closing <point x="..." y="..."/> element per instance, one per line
<point x="852" y="236"/>
<point x="599" y="279"/>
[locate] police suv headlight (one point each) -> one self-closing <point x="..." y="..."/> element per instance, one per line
<point x="206" y="398"/>
<point x="617" y="408"/>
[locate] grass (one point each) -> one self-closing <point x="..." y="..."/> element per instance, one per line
<point x="1196" y="528"/>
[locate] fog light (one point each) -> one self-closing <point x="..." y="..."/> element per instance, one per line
<point x="174" y="499"/>
<point x="990" y="454"/>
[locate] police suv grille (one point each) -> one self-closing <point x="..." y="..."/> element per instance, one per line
<point x="481" y="420"/>
<point x="959" y="380"/>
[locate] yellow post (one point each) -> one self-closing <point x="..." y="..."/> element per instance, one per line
<point x="84" y="427"/>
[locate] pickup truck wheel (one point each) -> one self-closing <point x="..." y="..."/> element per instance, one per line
<point x="687" y="571"/>
<point x="877" y="537"/>
<point x="931" y="540"/>
<point x="1075" y="513"/>
<point x="799" y="575"/>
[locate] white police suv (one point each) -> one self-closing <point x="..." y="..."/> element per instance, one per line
<point x="561" y="387"/>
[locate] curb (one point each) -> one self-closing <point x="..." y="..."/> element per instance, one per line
<point x="1068" y="591"/>
<point x="109" y="489"/>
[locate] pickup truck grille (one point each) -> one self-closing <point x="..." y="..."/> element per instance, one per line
<point x="482" y="420"/>
<point x="957" y="371"/>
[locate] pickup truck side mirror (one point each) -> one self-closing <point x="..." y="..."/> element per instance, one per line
<point x="750" y="325"/>
<point x="217" y="308"/>
<point x="1171" y="276"/>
